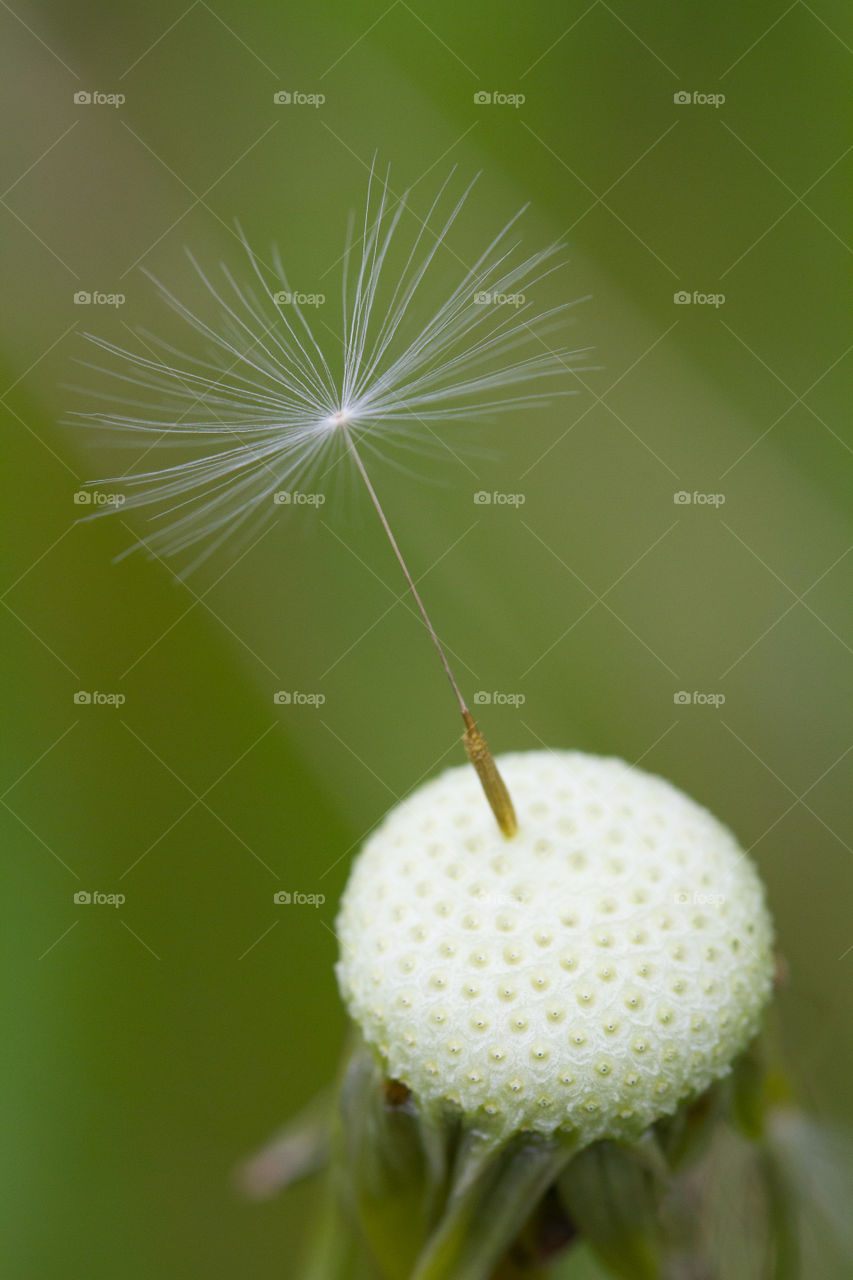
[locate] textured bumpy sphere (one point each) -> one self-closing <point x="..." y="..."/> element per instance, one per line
<point x="608" y="961"/>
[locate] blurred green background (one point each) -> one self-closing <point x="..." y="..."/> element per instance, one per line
<point x="148" y="1048"/>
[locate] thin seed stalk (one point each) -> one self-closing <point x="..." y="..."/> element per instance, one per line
<point x="481" y="758"/>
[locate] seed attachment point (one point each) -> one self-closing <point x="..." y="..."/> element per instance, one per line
<point x="490" y="778"/>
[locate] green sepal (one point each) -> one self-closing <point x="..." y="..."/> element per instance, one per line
<point x="749" y="1092"/>
<point x="732" y="1214"/>
<point x="782" y="1216"/>
<point x="685" y="1136"/>
<point x="760" y="1082"/>
<point x="495" y="1190"/>
<point x="333" y="1247"/>
<point x="435" y="1198"/>
<point x="612" y="1193"/>
<point x="393" y="1162"/>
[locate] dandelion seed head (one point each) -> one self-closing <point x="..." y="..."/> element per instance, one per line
<point x="571" y="1028"/>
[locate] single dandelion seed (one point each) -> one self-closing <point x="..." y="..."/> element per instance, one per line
<point x="268" y="408"/>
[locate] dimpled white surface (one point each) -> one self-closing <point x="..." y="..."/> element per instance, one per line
<point x="608" y="961"/>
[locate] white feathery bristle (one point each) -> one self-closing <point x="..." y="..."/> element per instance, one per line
<point x="587" y="975"/>
<point x="259" y="395"/>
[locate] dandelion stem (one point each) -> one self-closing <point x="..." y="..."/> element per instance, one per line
<point x="475" y="744"/>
